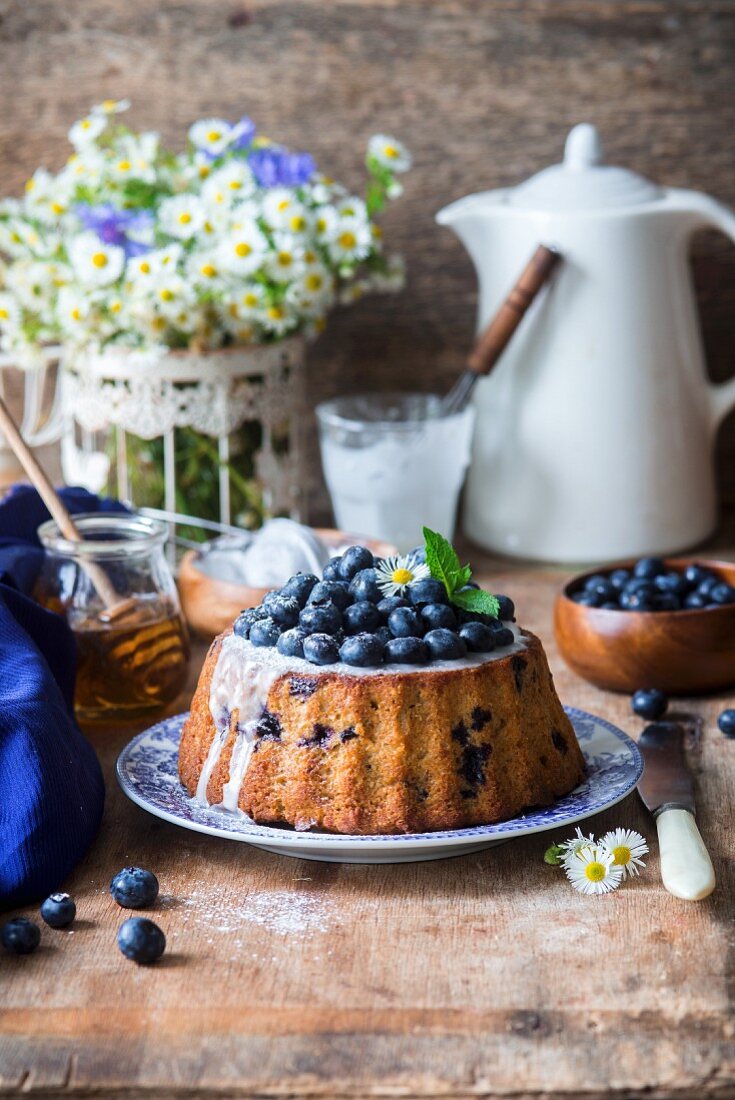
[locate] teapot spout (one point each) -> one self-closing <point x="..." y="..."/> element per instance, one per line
<point x="471" y="218"/>
<point x="462" y="212"/>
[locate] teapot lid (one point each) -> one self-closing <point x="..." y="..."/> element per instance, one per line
<point x="582" y="181"/>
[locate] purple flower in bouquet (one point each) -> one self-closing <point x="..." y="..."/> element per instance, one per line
<point x="118" y="227"/>
<point x="245" y="131"/>
<point x="276" y="167"/>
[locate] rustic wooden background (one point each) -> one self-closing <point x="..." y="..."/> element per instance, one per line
<point x="483" y="92"/>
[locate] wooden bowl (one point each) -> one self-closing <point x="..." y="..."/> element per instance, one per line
<point x="679" y="652"/>
<point x="210" y="605"/>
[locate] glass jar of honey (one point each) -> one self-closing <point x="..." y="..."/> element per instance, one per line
<point x="116" y="591"/>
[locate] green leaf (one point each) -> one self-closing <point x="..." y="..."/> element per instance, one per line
<point x="554" y="855"/>
<point x="443" y="563"/>
<point x="474" y="599"/>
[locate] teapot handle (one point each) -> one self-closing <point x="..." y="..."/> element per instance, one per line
<point x="711" y="214"/>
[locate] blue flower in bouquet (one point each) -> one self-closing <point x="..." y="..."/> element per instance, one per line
<point x="244" y="132"/>
<point x="124" y="228"/>
<point x="273" y="166"/>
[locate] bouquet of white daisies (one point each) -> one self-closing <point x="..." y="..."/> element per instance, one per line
<point x="236" y="240"/>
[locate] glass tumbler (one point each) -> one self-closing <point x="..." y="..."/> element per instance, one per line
<point x="394" y="463"/>
<point x="133" y="650"/>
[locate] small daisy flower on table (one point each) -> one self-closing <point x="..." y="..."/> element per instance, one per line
<point x="577" y="844"/>
<point x="393" y="575"/>
<point x="626" y="847"/>
<point x="592" y="871"/>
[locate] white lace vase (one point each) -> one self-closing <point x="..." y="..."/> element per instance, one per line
<point x="151" y="393"/>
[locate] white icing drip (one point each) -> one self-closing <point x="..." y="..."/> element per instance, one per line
<point x="239" y="684"/>
<point x="215" y="751"/>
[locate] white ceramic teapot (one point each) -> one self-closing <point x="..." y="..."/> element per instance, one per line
<point x="595" y="431"/>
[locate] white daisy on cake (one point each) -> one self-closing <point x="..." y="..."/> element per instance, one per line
<point x="592" y="871"/>
<point x="626" y="847"/>
<point x="394" y="574"/>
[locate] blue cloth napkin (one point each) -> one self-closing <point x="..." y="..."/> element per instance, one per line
<point x="51" y="787"/>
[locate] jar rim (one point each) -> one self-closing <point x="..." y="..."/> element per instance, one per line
<point x="136" y="534"/>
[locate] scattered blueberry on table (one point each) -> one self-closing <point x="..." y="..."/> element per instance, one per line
<point x="652" y="586"/>
<point x="726" y="722"/>
<point x="20" y="936"/>
<point x="134" y="888"/>
<point x="58" y="910"/>
<point x="649" y="703"/>
<point x="347" y="617"/>
<point x="141" y="940"/>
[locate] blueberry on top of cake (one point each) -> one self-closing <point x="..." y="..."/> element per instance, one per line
<point x="415" y="609"/>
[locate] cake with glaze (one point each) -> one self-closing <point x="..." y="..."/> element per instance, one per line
<point x="369" y="737"/>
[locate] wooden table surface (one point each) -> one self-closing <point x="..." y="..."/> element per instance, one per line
<point x="479" y="976"/>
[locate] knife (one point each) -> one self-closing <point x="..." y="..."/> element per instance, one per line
<point x="667" y="790"/>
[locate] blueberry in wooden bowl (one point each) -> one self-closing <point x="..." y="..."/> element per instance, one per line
<point x="654" y="623"/>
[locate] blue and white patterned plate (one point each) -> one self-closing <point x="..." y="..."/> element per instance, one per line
<point x="147" y="772"/>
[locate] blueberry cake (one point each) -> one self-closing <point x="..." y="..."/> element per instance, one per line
<point x="335" y="707"/>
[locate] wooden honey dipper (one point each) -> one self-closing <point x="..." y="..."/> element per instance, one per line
<point x="115" y="607"/>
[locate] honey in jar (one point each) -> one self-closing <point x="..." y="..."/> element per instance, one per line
<point x="133" y="649"/>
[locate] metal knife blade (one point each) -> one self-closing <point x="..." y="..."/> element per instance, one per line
<point x="666" y="780"/>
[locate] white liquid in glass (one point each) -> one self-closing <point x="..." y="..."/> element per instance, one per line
<point x="389" y="483"/>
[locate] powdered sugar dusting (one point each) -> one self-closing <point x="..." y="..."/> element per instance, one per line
<point x="283" y="912"/>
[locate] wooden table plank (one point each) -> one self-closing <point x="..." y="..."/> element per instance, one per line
<point x="479" y="976"/>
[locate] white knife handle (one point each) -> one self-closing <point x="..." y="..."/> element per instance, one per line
<point x="686" y="868"/>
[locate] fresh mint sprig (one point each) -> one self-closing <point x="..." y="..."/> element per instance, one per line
<point x="445" y="566"/>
